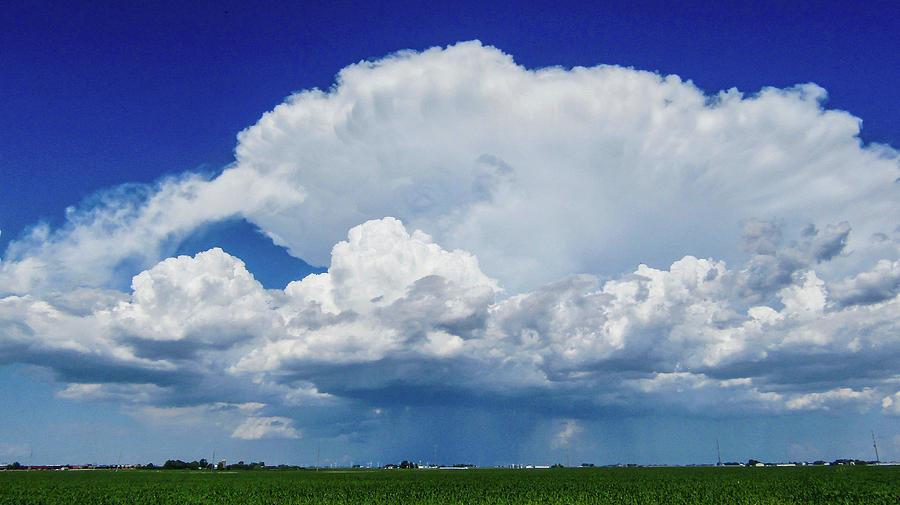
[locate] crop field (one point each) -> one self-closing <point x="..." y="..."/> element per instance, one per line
<point x="703" y="485"/>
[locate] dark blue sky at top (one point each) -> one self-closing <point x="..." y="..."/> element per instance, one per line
<point x="96" y="94"/>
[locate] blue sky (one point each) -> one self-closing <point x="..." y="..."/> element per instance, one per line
<point x="535" y="227"/>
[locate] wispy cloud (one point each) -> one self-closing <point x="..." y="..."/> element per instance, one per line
<point x="255" y="428"/>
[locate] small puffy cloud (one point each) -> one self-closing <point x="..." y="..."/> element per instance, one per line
<point x="209" y="300"/>
<point x="773" y="268"/>
<point x="831" y="242"/>
<point x="805" y="298"/>
<point x="874" y="286"/>
<point x="377" y="265"/>
<point x="255" y="428"/>
<point x="566" y="433"/>
<point x="761" y="237"/>
<point x="891" y="404"/>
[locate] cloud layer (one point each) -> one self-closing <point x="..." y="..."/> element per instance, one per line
<point x="396" y="315"/>
<point x="572" y="240"/>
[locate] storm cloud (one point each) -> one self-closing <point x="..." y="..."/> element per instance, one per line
<point x="500" y="238"/>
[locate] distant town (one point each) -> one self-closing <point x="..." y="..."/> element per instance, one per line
<point x="204" y="465"/>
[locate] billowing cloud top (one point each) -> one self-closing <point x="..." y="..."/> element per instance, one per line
<point x="565" y="184"/>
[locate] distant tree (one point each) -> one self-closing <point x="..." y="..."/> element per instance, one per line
<point x="15" y="466"/>
<point x="243" y="466"/>
<point x="174" y="464"/>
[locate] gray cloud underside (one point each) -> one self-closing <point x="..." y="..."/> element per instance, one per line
<point x="519" y="180"/>
<point x="406" y="323"/>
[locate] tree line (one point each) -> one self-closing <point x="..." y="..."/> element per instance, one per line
<point x="202" y="464"/>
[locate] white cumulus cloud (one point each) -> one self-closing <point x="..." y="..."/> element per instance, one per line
<point x="540" y="173"/>
<point x="588" y="238"/>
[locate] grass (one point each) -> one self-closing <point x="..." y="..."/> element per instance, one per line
<point x="699" y="485"/>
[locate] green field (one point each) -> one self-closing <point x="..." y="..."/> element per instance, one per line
<point x="707" y="485"/>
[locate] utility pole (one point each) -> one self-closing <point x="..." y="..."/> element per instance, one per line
<point x="318" y="452"/>
<point x="875" y="445"/>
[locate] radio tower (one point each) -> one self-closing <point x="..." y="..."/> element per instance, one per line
<point x="875" y="445"/>
<point x="718" y="454"/>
